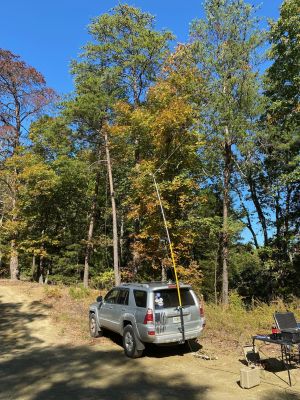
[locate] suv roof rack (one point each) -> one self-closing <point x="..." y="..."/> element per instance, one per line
<point x="154" y="283"/>
<point x="135" y="284"/>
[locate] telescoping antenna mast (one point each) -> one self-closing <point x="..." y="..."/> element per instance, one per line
<point x="173" y="259"/>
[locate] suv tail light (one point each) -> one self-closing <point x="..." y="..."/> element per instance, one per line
<point x="148" y="317"/>
<point x="201" y="311"/>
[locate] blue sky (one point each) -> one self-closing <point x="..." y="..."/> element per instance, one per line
<point x="49" y="34"/>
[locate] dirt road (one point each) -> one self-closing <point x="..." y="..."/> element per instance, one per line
<point x="39" y="362"/>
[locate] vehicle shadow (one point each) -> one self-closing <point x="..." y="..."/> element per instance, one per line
<point x="15" y="334"/>
<point x="155" y="351"/>
<point x="86" y="373"/>
<point x="281" y="396"/>
<point x="162" y="351"/>
<point x="31" y="371"/>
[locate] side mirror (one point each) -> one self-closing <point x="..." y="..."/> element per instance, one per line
<point x="99" y="299"/>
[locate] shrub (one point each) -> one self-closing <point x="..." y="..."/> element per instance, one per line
<point x="236" y="301"/>
<point x="79" y="292"/>
<point x="52" y="292"/>
<point x="105" y="280"/>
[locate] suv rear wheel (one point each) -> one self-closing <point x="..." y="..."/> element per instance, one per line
<point x="129" y="343"/>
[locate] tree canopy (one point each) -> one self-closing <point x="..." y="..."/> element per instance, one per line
<point x="219" y="134"/>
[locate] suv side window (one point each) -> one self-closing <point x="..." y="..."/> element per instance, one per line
<point x="111" y="297"/>
<point x="140" y="297"/>
<point x="123" y="297"/>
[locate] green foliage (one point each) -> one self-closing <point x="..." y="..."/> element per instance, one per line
<point x="282" y="84"/>
<point x="164" y="125"/>
<point x="225" y="46"/>
<point x="282" y="77"/>
<point x="79" y="292"/>
<point x="104" y="280"/>
<point x="271" y="160"/>
<point x="235" y="301"/>
<point x="126" y="42"/>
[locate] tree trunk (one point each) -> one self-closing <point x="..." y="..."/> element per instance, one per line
<point x="217" y="268"/>
<point x="163" y="273"/>
<point x="41" y="269"/>
<point x="88" y="250"/>
<point x="89" y="246"/>
<point x="286" y="233"/>
<point x="47" y="276"/>
<point x="16" y="141"/>
<point x="258" y="208"/>
<point x="122" y="240"/>
<point x="226" y="200"/>
<point x="14" y="261"/>
<point x="41" y="279"/>
<point x="278" y="221"/>
<point x="33" y="268"/>
<point x="249" y="223"/>
<point x="114" y="212"/>
<point x="14" y="255"/>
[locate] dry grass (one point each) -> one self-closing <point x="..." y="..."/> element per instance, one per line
<point x="69" y="310"/>
<point x="231" y="328"/>
<point x="226" y="331"/>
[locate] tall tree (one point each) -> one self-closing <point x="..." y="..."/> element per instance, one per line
<point x="225" y="45"/>
<point x="282" y="122"/>
<point x="23" y="95"/>
<point x="275" y="175"/>
<point x="121" y="62"/>
<point x="54" y="198"/>
<point x="167" y="123"/>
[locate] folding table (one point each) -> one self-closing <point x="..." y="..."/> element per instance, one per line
<point x="284" y="345"/>
<point x="289" y="335"/>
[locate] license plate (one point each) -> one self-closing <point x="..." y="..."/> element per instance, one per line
<point x="176" y="320"/>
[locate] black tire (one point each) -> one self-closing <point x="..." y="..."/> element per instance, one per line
<point x="129" y="343"/>
<point x="94" y="330"/>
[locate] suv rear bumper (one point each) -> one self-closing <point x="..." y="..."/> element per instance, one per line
<point x="172" y="337"/>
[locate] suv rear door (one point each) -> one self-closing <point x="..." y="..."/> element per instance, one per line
<point x="120" y="308"/>
<point x="167" y="315"/>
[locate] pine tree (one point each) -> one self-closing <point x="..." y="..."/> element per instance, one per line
<point x="120" y="62"/>
<point x="225" y="45"/>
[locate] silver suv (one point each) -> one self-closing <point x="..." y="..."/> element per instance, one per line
<point x="147" y="313"/>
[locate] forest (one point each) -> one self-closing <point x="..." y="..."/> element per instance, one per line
<point x="215" y="120"/>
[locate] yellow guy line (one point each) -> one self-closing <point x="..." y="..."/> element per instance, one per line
<point x="169" y="240"/>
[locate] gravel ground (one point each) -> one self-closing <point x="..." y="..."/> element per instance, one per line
<point x="40" y="360"/>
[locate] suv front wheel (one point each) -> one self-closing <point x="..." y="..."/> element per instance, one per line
<point x="129" y="343"/>
<point x="94" y="331"/>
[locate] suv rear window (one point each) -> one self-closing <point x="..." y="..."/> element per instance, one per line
<point x="140" y="297"/>
<point x="169" y="298"/>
